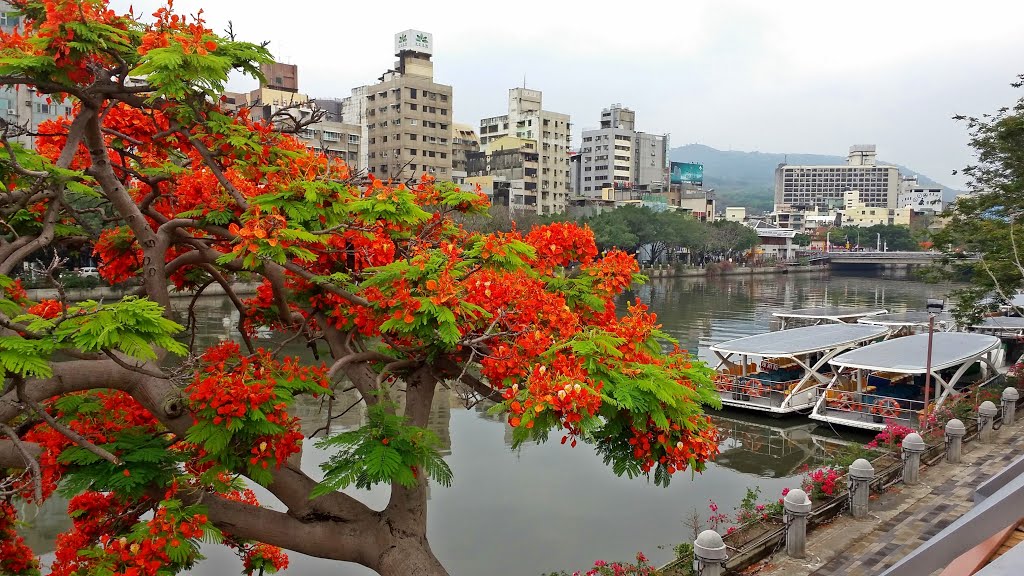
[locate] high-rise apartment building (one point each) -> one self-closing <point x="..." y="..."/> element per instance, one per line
<point x="507" y="170"/>
<point x="617" y="156"/>
<point x="803" y="187"/>
<point x="464" y="142"/>
<point x="408" y="116"/>
<point x="551" y="132"/>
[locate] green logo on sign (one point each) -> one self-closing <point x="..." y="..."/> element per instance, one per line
<point x="402" y="38"/>
<point x="421" y="38"/>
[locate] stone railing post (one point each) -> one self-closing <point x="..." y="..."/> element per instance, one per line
<point x="955" y="432"/>
<point x="913" y="447"/>
<point x="709" y="554"/>
<point x="986" y="417"/>
<point x="860" y="475"/>
<point x="797" y="506"/>
<point x="1010" y="397"/>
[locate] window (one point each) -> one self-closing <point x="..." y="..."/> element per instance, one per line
<point x="42" y="108"/>
<point x="412" y="93"/>
<point x="412" y="107"/>
<point x="444" y="111"/>
<point x="278" y="80"/>
<point x="444" y="97"/>
<point x="385" y="139"/>
<point x="413" y="122"/>
<point x="353" y="139"/>
<point x="444" y="155"/>
<point x="412" y="137"/>
<point x="412" y="151"/>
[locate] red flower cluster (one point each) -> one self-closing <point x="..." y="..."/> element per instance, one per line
<point x="119" y="412"/>
<point x="46" y="308"/>
<point x="263" y="558"/>
<point x="15" y="557"/>
<point x="234" y="387"/>
<point x="821" y="483"/>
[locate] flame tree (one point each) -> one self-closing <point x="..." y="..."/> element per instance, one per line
<point x="155" y="441"/>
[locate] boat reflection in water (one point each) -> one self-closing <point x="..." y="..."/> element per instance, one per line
<point x="776" y="448"/>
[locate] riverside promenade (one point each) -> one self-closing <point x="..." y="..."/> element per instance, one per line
<point x="901" y="519"/>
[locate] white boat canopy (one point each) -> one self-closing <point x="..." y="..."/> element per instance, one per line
<point x="828" y="314"/>
<point x="901" y="319"/>
<point x="800" y="341"/>
<point x="909" y="355"/>
<point x="1001" y="324"/>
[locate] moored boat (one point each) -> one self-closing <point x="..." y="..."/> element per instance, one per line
<point x="784" y="371"/>
<point x="885" y="382"/>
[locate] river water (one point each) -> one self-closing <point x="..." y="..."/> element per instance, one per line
<point x="550" y="507"/>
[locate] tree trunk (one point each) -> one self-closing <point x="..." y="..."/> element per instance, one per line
<point x="409" y="556"/>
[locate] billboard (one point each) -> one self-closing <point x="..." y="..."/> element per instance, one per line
<point x="687" y="173"/>
<point x="415" y="40"/>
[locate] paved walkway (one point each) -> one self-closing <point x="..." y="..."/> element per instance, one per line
<point x="903" y="519"/>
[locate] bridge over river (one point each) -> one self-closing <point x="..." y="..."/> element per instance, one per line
<point x="880" y="258"/>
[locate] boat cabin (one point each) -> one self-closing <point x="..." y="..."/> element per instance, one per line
<point x="885" y="382"/>
<point x="784" y="371"/>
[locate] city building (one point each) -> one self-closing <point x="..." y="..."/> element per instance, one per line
<point x="464" y="142"/>
<point x="617" y="155"/>
<point x="550" y="131"/>
<point x="698" y="203"/>
<point x="774" y="242"/>
<point x="507" y="170"/>
<point x="735" y="214"/>
<point x="857" y="212"/>
<point x="790" y="219"/>
<point x="353" y="111"/>
<point x="803" y="187"/>
<point x="408" y="116"/>
<point x="279" y="101"/>
<point x="918" y="197"/>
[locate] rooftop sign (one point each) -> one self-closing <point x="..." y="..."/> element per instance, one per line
<point x="414" y="41"/>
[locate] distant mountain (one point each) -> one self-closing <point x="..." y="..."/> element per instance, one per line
<point x="748" y="178"/>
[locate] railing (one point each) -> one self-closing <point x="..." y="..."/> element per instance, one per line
<point x="878" y="408"/>
<point x="761" y="390"/>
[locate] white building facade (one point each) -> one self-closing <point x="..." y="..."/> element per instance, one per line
<point x="617" y="156"/>
<point x="551" y="131"/>
<point x="804" y="187"/>
<point x="919" y="198"/>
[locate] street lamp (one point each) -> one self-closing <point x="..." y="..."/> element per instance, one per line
<point x="934" y="307"/>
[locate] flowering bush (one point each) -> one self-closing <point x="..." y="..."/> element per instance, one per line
<point x="821" y="483"/>
<point x="891" y="437"/>
<point x="602" y="568"/>
<point x="751" y="510"/>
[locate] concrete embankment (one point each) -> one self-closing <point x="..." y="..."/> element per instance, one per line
<point x="107" y="293"/>
<point x="903" y="518"/>
<point x="737" y="271"/>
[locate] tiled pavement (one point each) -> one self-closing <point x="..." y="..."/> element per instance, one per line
<point x="947" y="501"/>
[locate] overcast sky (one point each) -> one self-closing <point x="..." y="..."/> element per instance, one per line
<point x="774" y="76"/>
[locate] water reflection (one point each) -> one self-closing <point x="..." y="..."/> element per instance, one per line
<point x="549" y="507"/>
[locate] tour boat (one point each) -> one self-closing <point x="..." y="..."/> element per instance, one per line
<point x="826" y="315"/>
<point x="791" y="367"/>
<point x="907" y="323"/>
<point x="885" y="382"/>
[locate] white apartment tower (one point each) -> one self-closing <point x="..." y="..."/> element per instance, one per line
<point x="803" y="187"/>
<point x="551" y="132"/>
<point x="617" y="156"/>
